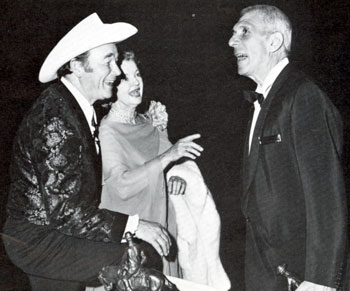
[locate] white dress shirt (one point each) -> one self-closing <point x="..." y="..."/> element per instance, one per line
<point x="89" y="113"/>
<point x="84" y="104"/>
<point x="264" y="89"/>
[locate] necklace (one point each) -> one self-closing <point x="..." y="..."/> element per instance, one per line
<point x="122" y="115"/>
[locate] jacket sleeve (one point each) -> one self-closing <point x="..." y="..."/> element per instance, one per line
<point x="53" y="152"/>
<point x="317" y="133"/>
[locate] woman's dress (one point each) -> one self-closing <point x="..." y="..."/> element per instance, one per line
<point x="134" y="183"/>
<point x="133" y="180"/>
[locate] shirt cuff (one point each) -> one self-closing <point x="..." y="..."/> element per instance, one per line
<point x="131" y="225"/>
<point x="314" y="287"/>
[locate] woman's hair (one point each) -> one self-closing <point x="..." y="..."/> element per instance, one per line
<point x="275" y="20"/>
<point x="128" y="55"/>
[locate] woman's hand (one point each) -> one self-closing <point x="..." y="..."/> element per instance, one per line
<point x="184" y="147"/>
<point x="176" y="185"/>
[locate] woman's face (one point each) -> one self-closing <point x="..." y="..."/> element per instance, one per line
<point x="130" y="89"/>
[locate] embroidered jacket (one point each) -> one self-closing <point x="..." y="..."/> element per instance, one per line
<point x="56" y="172"/>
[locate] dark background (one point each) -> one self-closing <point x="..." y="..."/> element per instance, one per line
<point x="187" y="65"/>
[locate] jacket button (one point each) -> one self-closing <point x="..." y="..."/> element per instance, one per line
<point x="247" y="219"/>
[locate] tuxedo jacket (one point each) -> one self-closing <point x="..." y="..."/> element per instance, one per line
<point x="56" y="172"/>
<point x="293" y="189"/>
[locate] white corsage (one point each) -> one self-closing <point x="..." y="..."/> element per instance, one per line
<point x="157" y="112"/>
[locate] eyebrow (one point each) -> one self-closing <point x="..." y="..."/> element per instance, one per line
<point x="109" y="55"/>
<point x="242" y="24"/>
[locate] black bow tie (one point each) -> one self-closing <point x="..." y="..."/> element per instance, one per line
<point x="252" y="96"/>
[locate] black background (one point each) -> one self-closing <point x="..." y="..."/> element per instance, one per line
<point x="187" y="65"/>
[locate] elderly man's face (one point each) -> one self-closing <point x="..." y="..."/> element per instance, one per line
<point x="101" y="72"/>
<point x="250" y="45"/>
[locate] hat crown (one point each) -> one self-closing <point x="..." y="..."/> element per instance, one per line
<point x="93" y="21"/>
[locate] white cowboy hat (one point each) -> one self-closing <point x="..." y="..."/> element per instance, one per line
<point x="91" y="32"/>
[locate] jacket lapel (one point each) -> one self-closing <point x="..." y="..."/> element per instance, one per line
<point x="252" y="160"/>
<point x="83" y="127"/>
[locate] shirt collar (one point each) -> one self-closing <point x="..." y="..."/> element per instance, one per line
<point x="271" y="77"/>
<point x="84" y="104"/>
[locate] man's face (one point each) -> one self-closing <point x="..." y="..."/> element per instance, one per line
<point x="100" y="73"/>
<point x="250" y="44"/>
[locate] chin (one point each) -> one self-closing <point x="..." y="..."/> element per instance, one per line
<point x="136" y="100"/>
<point x="107" y="95"/>
<point x="138" y="103"/>
<point x="242" y="71"/>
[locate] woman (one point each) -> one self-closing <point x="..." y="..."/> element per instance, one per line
<point x="136" y="152"/>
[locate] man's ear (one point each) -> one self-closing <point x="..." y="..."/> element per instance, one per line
<point x="276" y="41"/>
<point x="76" y="67"/>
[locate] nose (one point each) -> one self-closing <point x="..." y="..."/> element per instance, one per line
<point x="115" y="69"/>
<point x="136" y="81"/>
<point x="233" y="41"/>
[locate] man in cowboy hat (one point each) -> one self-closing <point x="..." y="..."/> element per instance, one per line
<point x="55" y="231"/>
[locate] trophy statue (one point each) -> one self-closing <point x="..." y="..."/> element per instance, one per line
<point x="293" y="281"/>
<point x="130" y="275"/>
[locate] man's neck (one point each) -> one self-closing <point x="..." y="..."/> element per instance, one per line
<point x="265" y="86"/>
<point x="266" y="67"/>
<point x="75" y="82"/>
<point x="82" y="101"/>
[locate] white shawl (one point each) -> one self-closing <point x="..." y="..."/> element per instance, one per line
<point x="198" y="229"/>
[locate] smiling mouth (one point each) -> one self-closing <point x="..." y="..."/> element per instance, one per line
<point x="241" y="57"/>
<point x="109" y="83"/>
<point x="135" y="93"/>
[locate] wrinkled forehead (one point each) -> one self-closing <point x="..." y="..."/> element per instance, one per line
<point x="104" y="51"/>
<point x="250" y="19"/>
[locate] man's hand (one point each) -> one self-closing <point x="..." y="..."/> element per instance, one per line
<point x="154" y="234"/>
<point x="176" y="185"/>
<point x="308" y="286"/>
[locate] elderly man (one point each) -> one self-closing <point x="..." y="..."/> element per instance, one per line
<point x="293" y="196"/>
<point x="55" y="231"/>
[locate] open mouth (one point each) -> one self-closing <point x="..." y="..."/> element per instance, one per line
<point x="241" y="57"/>
<point x="109" y="83"/>
<point x="135" y="93"/>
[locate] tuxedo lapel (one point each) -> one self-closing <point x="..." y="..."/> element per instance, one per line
<point x="252" y="160"/>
